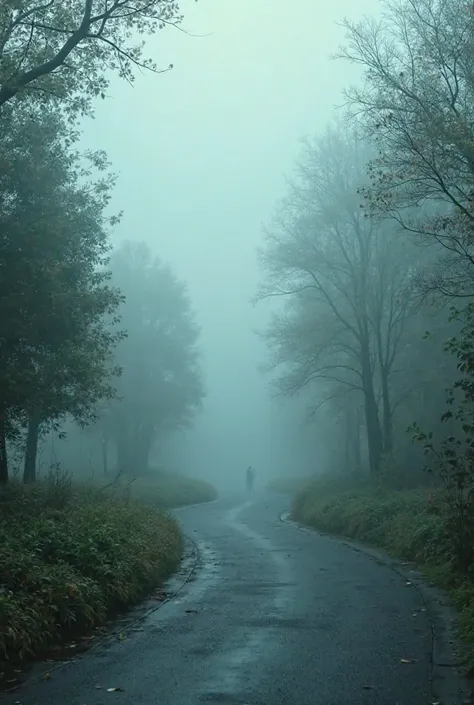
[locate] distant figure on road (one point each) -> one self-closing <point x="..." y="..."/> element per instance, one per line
<point x="250" y="478"/>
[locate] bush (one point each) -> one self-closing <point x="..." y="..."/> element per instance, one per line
<point x="71" y="557"/>
<point x="409" y="524"/>
<point x="398" y="521"/>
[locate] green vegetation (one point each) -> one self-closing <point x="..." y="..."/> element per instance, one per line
<point x="68" y="50"/>
<point x="166" y="490"/>
<point x="72" y="556"/>
<point x="410" y="524"/>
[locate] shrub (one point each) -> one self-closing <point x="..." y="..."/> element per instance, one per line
<point x="70" y="558"/>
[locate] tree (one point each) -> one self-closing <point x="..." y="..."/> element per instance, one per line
<point x="418" y="104"/>
<point x="161" y="387"/>
<point x="57" y="49"/>
<point x="55" y="351"/>
<point x="349" y="297"/>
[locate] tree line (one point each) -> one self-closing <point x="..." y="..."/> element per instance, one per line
<point x="371" y="252"/>
<point x="103" y="336"/>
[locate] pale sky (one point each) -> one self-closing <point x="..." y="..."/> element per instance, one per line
<point x="201" y="154"/>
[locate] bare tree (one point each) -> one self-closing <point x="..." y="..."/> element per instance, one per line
<point x="348" y="299"/>
<point x="418" y="103"/>
<point x="59" y="49"/>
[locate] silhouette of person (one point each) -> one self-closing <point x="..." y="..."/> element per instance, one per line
<point x="250" y="478"/>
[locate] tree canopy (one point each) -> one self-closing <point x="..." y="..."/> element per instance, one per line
<point x="161" y="388"/>
<point x="55" y="351"/>
<point x="51" y="49"/>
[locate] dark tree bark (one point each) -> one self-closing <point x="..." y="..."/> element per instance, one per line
<point x="105" y="455"/>
<point x="3" y="450"/>
<point x="29" y="471"/>
<point x="372" y="420"/>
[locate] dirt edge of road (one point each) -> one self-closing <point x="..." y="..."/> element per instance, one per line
<point x="448" y="685"/>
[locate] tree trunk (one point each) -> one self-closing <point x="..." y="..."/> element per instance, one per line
<point x="3" y="451"/>
<point x="356" y="449"/>
<point x="387" y="415"/>
<point x="105" y="455"/>
<point x="142" y="449"/>
<point x="374" y="431"/>
<point x="386" y="403"/>
<point x="347" y="443"/>
<point x="123" y="453"/>
<point x="29" y="472"/>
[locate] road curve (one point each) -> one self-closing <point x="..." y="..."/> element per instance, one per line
<point x="271" y="616"/>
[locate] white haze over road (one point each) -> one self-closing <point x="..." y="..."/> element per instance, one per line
<point x="201" y="153"/>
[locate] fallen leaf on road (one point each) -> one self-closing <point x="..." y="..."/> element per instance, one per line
<point x="122" y="636"/>
<point x="115" y="690"/>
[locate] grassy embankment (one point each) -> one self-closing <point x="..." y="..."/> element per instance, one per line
<point x="407" y="524"/>
<point x="73" y="556"/>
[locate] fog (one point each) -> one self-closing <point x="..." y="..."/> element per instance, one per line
<point x="237" y="301"/>
<point x="202" y="152"/>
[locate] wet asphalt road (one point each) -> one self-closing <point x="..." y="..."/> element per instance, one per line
<point x="272" y="616"/>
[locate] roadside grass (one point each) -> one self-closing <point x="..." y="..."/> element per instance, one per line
<point x="288" y="485"/>
<point x="168" y="489"/>
<point x="73" y="556"/>
<point x="407" y="524"/>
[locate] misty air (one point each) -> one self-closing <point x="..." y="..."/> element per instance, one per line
<point x="236" y="352"/>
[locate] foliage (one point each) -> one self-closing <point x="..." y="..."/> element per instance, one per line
<point x="161" y="388"/>
<point x="401" y="522"/>
<point x="453" y="457"/>
<point x="65" y="51"/>
<point x="417" y="103"/>
<point x="165" y="489"/>
<point x="55" y="351"/>
<point x="70" y="557"/>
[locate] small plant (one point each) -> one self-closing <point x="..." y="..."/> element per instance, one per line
<point x="58" y="487"/>
<point x="453" y="458"/>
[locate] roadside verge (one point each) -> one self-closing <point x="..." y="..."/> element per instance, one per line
<point x="448" y="685"/>
<point x="73" y="561"/>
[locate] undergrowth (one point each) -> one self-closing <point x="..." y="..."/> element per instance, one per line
<point x="72" y="557"/>
<point x="407" y="524"/>
<point x="169" y="489"/>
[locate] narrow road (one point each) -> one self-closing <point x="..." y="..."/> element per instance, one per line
<point x="272" y="616"/>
